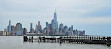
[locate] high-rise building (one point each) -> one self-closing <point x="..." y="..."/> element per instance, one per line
<point x="38" y="23"/>
<point x="54" y="25"/>
<point x="55" y="21"/>
<point x="61" y="27"/>
<point x="36" y="29"/>
<point x="55" y="17"/>
<point x="46" y="24"/>
<point x="9" y="28"/>
<point x="52" y="28"/>
<point x="12" y="29"/>
<point x="71" y="27"/>
<point x="44" y="31"/>
<point x="79" y="33"/>
<point x="65" y="31"/>
<point x="39" y="27"/>
<point x="19" y="29"/>
<point x="24" y="31"/>
<point x="47" y="28"/>
<point x="9" y="25"/>
<point x="31" y="28"/>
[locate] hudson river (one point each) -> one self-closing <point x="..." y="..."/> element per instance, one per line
<point x="16" y="42"/>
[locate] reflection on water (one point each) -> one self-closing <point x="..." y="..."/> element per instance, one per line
<point x="16" y="42"/>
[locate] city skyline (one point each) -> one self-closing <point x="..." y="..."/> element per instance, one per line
<point x="51" y="29"/>
<point x="92" y="16"/>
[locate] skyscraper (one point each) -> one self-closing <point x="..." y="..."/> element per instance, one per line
<point x="39" y="27"/>
<point x="52" y="28"/>
<point x="38" y="23"/>
<point x="31" y="28"/>
<point x="55" y="17"/>
<point x="54" y="25"/>
<point x="36" y="29"/>
<point x="61" y="27"/>
<point x="12" y="29"/>
<point x="46" y="24"/>
<point x="65" y="31"/>
<point x="9" y="28"/>
<point x="71" y="27"/>
<point x="47" y="28"/>
<point x="55" y="21"/>
<point x="24" y="31"/>
<point x="19" y="29"/>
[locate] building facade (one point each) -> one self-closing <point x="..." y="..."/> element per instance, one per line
<point x="19" y="29"/>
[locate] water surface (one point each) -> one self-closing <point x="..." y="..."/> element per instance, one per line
<point x="16" y="42"/>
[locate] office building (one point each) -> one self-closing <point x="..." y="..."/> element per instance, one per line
<point x="31" y="28"/>
<point x="39" y="28"/>
<point x="9" y="28"/>
<point x="24" y="31"/>
<point x="19" y="29"/>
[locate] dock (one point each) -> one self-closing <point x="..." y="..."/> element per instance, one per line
<point x="71" y="39"/>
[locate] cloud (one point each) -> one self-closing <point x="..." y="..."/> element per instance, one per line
<point x="87" y="20"/>
<point x="65" y="9"/>
<point x="68" y="12"/>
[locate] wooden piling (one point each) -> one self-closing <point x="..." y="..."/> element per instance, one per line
<point x="73" y="39"/>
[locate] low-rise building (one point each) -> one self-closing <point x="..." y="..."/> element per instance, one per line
<point x="3" y="33"/>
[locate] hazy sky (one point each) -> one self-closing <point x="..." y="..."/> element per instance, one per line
<point x="93" y="16"/>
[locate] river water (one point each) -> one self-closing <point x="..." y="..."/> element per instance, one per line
<point x="16" y="42"/>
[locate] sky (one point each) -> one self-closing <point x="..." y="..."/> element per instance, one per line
<point x="93" y="16"/>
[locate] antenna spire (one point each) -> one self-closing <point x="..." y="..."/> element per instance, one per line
<point x="55" y="10"/>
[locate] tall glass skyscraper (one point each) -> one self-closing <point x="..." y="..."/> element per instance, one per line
<point x="55" y="21"/>
<point x="55" y="17"/>
<point x="39" y="27"/>
<point x="54" y="25"/>
<point x="47" y="24"/>
<point x="30" y="27"/>
<point x="9" y="27"/>
<point x="36" y="29"/>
